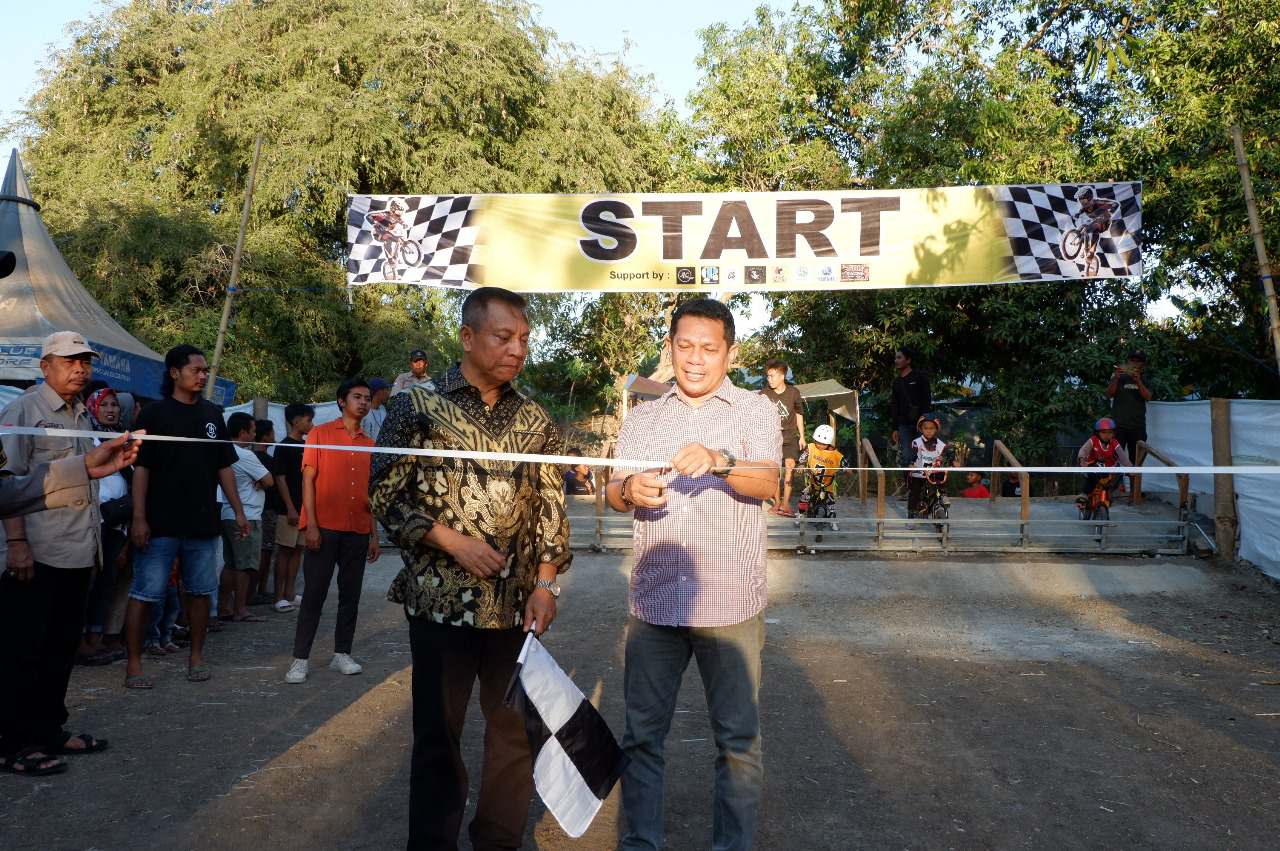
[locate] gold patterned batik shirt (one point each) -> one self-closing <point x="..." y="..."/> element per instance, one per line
<point x="518" y="509"/>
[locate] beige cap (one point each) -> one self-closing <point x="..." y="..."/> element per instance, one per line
<point x="66" y="344"/>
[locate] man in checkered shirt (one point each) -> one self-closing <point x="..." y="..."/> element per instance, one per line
<point x="698" y="583"/>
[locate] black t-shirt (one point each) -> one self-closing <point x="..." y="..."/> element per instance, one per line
<point x="289" y="465"/>
<point x="273" y="502"/>
<point x="575" y="486"/>
<point x="910" y="397"/>
<point x="789" y="403"/>
<point x="1128" y="408"/>
<point x="183" y="477"/>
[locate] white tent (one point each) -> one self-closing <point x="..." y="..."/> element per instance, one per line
<point x="43" y="295"/>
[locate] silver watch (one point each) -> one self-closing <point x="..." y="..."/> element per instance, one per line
<point x="549" y="585"/>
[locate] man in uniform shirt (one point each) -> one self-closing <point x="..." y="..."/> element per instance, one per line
<point x="49" y="562"/>
<point x="416" y="375"/>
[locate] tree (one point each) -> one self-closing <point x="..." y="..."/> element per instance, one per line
<point x="140" y="140"/>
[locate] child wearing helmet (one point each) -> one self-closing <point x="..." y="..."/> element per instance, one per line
<point x="927" y="451"/>
<point x="821" y="459"/>
<point x="1101" y="450"/>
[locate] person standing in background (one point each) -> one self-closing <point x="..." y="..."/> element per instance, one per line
<point x="379" y="391"/>
<point x="49" y="562"/>
<point x="417" y="374"/>
<point x="790" y="407"/>
<point x="1129" y="397"/>
<point x="289" y="542"/>
<point x="337" y="529"/>
<point x="909" y="397"/>
<point x="243" y="553"/>
<point x="264" y="436"/>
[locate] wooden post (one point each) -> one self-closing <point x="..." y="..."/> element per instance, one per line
<point x="1255" y="228"/>
<point x="261" y="407"/>
<point x="857" y="429"/>
<point x="235" y="271"/>
<point x="1224" y="491"/>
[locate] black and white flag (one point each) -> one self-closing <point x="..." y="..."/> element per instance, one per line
<point x="576" y="760"/>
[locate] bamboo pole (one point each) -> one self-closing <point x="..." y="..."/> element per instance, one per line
<point x="1255" y="228"/>
<point x="1224" y="491"/>
<point x="235" y="271"/>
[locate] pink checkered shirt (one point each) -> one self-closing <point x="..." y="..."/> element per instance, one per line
<point x="700" y="561"/>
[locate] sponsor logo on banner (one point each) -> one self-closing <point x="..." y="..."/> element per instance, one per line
<point x="802" y="273"/>
<point x="779" y="275"/>
<point x="853" y="272"/>
<point x="755" y="275"/>
<point x="827" y="274"/>
<point x="731" y="276"/>
<point x="710" y="275"/>
<point x="685" y="275"/>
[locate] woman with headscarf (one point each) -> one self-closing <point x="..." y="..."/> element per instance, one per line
<point x="116" y="507"/>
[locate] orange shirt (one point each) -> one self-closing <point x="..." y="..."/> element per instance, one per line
<point x="342" y="479"/>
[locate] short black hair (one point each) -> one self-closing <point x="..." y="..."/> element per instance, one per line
<point x="345" y="388"/>
<point x="238" y="422"/>
<point x="176" y="358"/>
<point x="573" y="450"/>
<point x="776" y="363"/>
<point x="706" y="308"/>
<point x="908" y="353"/>
<point x="475" y="307"/>
<point x="294" y="410"/>
<point x="262" y="428"/>
<point x="1138" y="355"/>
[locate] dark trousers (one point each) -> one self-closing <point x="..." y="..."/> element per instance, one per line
<point x="40" y="624"/>
<point x="447" y="660"/>
<point x="1128" y="438"/>
<point x="347" y="552"/>
<point x="104" y="584"/>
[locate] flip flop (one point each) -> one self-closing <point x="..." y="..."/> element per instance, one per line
<point x="32" y="765"/>
<point x="198" y="674"/>
<point x="250" y="619"/>
<point x="283" y="606"/>
<point x="139" y="681"/>
<point x="91" y="745"/>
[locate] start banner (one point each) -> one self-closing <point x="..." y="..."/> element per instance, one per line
<point x="750" y="240"/>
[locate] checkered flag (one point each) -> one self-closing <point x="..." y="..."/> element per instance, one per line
<point x="432" y="243"/>
<point x="1049" y="237"/>
<point x="576" y="760"/>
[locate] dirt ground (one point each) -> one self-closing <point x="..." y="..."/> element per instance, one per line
<point x="1049" y="703"/>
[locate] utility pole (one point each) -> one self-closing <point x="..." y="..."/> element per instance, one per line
<point x="1255" y="228"/>
<point x="235" y="271"/>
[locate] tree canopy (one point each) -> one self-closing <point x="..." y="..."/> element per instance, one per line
<point x="140" y="139"/>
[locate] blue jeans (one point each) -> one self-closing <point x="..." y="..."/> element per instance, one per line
<point x="163" y="617"/>
<point x="199" y="567"/>
<point x="729" y="664"/>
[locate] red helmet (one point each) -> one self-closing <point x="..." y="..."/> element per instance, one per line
<point x="1105" y="424"/>
<point x="929" y="418"/>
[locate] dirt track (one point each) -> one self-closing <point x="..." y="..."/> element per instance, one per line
<point x="907" y="704"/>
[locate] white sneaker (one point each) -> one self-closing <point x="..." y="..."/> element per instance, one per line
<point x="344" y="664"/>
<point x="297" y="672"/>
<point x="297" y="601"/>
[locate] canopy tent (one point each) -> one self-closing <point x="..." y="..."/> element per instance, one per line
<point x="43" y="295"/>
<point x="841" y="401"/>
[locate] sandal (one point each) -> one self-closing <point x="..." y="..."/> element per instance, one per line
<point x="283" y="606"/>
<point x="198" y="673"/>
<point x="154" y="650"/>
<point x="170" y="648"/>
<point x="94" y="660"/>
<point x="33" y="762"/>
<point x="141" y="681"/>
<point x="91" y="745"/>
<point x="249" y="619"/>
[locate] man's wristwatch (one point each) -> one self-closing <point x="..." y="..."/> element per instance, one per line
<point x="729" y="462"/>
<point x="548" y="585"/>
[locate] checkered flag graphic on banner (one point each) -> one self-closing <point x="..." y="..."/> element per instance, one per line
<point x="432" y="242"/>
<point x="1049" y="232"/>
<point x="576" y="760"/>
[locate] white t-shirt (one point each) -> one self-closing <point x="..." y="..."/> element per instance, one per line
<point x="925" y="457"/>
<point x="248" y="471"/>
<point x="372" y="422"/>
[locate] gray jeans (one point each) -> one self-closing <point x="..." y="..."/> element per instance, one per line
<point x="729" y="663"/>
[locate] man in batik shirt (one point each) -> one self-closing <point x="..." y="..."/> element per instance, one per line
<point x="482" y="542"/>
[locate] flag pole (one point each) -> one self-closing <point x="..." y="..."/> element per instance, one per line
<point x="1255" y="228"/>
<point x="235" y="272"/>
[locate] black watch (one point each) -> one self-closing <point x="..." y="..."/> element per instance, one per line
<point x="729" y="462"/>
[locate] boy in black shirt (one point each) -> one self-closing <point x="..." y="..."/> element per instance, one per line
<point x="289" y="543"/>
<point x="175" y="508"/>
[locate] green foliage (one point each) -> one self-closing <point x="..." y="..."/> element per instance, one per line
<point x="141" y="135"/>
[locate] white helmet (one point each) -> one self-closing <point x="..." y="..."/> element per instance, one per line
<point x="824" y="434"/>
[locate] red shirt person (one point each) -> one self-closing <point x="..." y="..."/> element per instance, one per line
<point x="337" y="529"/>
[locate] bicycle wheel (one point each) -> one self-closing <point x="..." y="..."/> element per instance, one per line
<point x="1072" y="242"/>
<point x="410" y="253"/>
